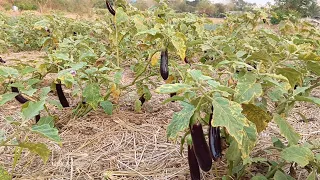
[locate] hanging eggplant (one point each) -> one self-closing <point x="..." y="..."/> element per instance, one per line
<point x="62" y="98"/>
<point x="193" y="164"/>
<point x="19" y="97"/>
<point x="164" y="70"/>
<point x="110" y="8"/>
<point x="142" y="99"/>
<point x="200" y="146"/>
<point x="214" y="139"/>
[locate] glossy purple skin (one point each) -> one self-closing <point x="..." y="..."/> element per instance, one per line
<point x="62" y="98"/>
<point x="214" y="140"/>
<point x="201" y="148"/>
<point x="193" y="164"/>
<point x="164" y="69"/>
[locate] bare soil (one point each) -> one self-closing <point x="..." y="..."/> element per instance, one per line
<point x="127" y="145"/>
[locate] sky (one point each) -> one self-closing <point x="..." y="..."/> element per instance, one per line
<point x="260" y="2"/>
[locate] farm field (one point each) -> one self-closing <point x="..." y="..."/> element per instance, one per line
<point x="138" y="83"/>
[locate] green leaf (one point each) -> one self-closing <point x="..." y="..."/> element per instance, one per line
<point x="121" y="16"/>
<point x="308" y="99"/>
<point x="180" y="120"/>
<point x="92" y="94"/>
<point x="8" y="72"/>
<point x="312" y="176"/>
<point x="256" y="115"/>
<point x="300" y="90"/>
<point x="179" y="42"/>
<point x="291" y="74"/>
<point x="277" y="143"/>
<point x="4" y="98"/>
<point x="247" y="88"/>
<point x="38" y="148"/>
<point x="314" y="67"/>
<point x="87" y="56"/>
<point x="309" y="56"/>
<point x="228" y="114"/>
<point x="138" y="21"/>
<point x="233" y="152"/>
<point x="152" y="31"/>
<point x="4" y="175"/>
<point x="137" y="105"/>
<point x="286" y="130"/>
<point x="29" y="92"/>
<point x="171" y="88"/>
<point x="300" y="155"/>
<point x="32" y="81"/>
<point x="107" y="106"/>
<point x="198" y="76"/>
<point x="27" y="70"/>
<point x="259" y="178"/>
<point x="44" y="92"/>
<point x="47" y="131"/>
<point x="281" y="176"/>
<point x="32" y="109"/>
<point x="118" y="76"/>
<point x="46" y="120"/>
<point x="55" y="103"/>
<point x="17" y="156"/>
<point x="262" y="55"/>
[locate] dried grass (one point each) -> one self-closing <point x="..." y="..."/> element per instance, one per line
<point x="129" y="145"/>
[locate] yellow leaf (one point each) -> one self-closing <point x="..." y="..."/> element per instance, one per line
<point x="113" y="87"/>
<point x="169" y="80"/>
<point x="155" y="58"/>
<point x="115" y="92"/>
<point x="256" y="115"/>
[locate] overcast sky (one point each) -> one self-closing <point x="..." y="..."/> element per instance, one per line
<point x="261" y="2"/>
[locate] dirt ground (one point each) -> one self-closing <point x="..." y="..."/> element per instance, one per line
<point x="127" y="145"/>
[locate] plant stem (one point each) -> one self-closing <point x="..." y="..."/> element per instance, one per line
<point x="144" y="70"/>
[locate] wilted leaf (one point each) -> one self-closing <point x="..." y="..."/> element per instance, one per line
<point x="180" y="120"/>
<point x="256" y="115"/>
<point x="47" y="131"/>
<point x="38" y="148"/>
<point x="286" y="130"/>
<point x="300" y="155"/>
<point x="247" y="88"/>
<point x="155" y="58"/>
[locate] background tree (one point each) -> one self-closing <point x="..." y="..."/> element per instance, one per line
<point x="304" y="7"/>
